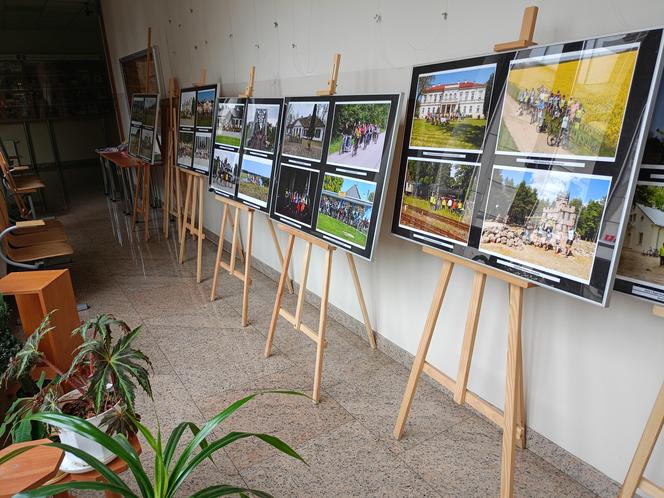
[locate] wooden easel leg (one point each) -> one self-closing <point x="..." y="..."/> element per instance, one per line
<point x="644" y="449"/>
<point x="303" y="285"/>
<point x="146" y="201"/>
<point x="166" y="208"/>
<point x="183" y="229"/>
<point x="194" y="201"/>
<point x="280" y="291"/>
<point x="360" y="298"/>
<point x="423" y="348"/>
<point x="236" y="224"/>
<point x="247" y="269"/>
<point x="201" y="235"/>
<point x="277" y="247"/>
<point x="520" y="401"/>
<point x="322" y="326"/>
<point x="510" y="411"/>
<point x="220" y="250"/>
<point x="178" y="201"/>
<point x="469" y="337"/>
<point x="232" y="225"/>
<point x="135" y="207"/>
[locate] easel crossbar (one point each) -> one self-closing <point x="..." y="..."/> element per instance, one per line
<point x="305" y="329"/>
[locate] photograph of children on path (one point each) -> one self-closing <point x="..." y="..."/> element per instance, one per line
<point x="548" y="220"/>
<point x="451" y="109"/>
<point x="304" y="129"/>
<point x="568" y="105"/>
<point x="224" y="170"/>
<point x="439" y="198"/>
<point x="295" y="193"/>
<point x="358" y="134"/>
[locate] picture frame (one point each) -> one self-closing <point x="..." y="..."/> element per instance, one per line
<point x="196" y="119"/>
<point x="144" y="130"/>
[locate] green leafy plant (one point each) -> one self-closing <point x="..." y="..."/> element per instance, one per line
<point x="170" y="471"/>
<point x="9" y="343"/>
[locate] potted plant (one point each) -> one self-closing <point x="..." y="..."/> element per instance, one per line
<point x="170" y="470"/>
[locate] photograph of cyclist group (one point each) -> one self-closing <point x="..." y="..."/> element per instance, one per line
<point x="185" y="148"/>
<point x="187" y="108"/>
<point x="569" y="104"/>
<point x="548" y="220"/>
<point x="224" y="170"/>
<point x="439" y="197"/>
<point x="345" y="208"/>
<point x="295" y="193"/>
<point x="642" y="256"/>
<point x="358" y="134"/>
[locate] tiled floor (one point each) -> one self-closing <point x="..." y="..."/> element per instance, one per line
<point x="204" y="360"/>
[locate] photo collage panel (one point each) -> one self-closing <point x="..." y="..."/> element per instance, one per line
<point x="333" y="164"/>
<point x="229" y="124"/>
<point x="518" y="159"/>
<point x="196" y="119"/>
<point x="143" y="137"/>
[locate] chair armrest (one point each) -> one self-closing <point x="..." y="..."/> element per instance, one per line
<point x="19" y="168"/>
<point x="30" y="223"/>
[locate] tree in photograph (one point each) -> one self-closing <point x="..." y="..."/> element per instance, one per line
<point x="424" y="83"/>
<point x="523" y="204"/>
<point x="376" y="114"/>
<point x="650" y="195"/>
<point x="371" y="196"/>
<point x="312" y="125"/>
<point x="332" y="183"/>
<point x="487" y="94"/>
<point x="589" y="219"/>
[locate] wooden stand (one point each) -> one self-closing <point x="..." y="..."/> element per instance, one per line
<point x="334" y="76"/>
<point x="193" y="201"/>
<point x="236" y="240"/>
<point x="635" y="479"/>
<point x="296" y="320"/>
<point x="38" y="293"/>
<point x="512" y="420"/>
<point x="172" y="206"/>
<point x="525" y="35"/>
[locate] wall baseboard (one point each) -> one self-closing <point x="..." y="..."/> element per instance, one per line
<point x="575" y="468"/>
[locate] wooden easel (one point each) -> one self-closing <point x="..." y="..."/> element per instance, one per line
<point x="233" y="221"/>
<point x="512" y="418"/>
<point x="635" y="479"/>
<point x="172" y="206"/>
<point x="193" y="201"/>
<point x="142" y="188"/>
<point x="296" y="319"/>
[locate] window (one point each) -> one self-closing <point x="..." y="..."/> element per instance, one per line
<point x="472" y="95"/>
<point x="641" y="217"/>
<point x="317" y="133"/>
<point x="640" y="238"/>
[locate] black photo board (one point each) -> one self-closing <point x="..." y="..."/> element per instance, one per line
<point x="641" y="266"/>
<point x="333" y="165"/>
<point x="246" y="143"/>
<point x="526" y="161"/>
<point x="143" y="127"/>
<point x="196" y="113"/>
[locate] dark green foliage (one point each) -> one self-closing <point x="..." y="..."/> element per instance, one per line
<point x="9" y="343"/>
<point x="332" y="183"/>
<point x="523" y="204"/>
<point x="589" y="219"/>
<point x="650" y="195"/>
<point x="351" y="114"/>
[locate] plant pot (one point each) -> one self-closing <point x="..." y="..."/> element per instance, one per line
<point x="81" y="442"/>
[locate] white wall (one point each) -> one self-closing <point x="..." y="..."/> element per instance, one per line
<point x="591" y="374"/>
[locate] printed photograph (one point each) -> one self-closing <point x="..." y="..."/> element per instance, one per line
<point x="137" y="109"/>
<point x="295" y="193"/>
<point x="345" y="208"/>
<point x="187" y="108"/>
<point x="147" y="143"/>
<point x="150" y="112"/>
<point x="654" y="151"/>
<point x="205" y="108"/>
<point x="202" y="150"/>
<point x="549" y="220"/>
<point x="439" y="198"/>
<point x="451" y="109"/>
<point x="255" y="175"/>
<point x="568" y="105"/>
<point x="134" y="140"/>
<point x="185" y="148"/>
<point x="261" y="127"/>
<point x="642" y="256"/>
<point x="304" y="129"/>
<point x="358" y="134"/>
<point x="224" y="170"/>
<point x="229" y="124"/>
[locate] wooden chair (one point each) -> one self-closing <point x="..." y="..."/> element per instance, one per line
<point x="20" y="185"/>
<point x="49" y="224"/>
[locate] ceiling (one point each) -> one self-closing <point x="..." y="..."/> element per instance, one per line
<point x="56" y="15"/>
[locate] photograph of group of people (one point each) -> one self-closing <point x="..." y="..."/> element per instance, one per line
<point x="134" y="140"/>
<point x="147" y="143"/>
<point x="304" y="129"/>
<point x="451" y="109"/>
<point x="260" y="130"/>
<point x="185" y="148"/>
<point x="205" y="102"/>
<point x="224" y="170"/>
<point x="345" y="208"/>
<point x="439" y="197"/>
<point x="567" y="105"/>
<point x="202" y="150"/>
<point x="295" y="193"/>
<point x="548" y="220"/>
<point x="358" y="134"/>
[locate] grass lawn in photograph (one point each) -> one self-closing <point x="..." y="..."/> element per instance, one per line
<point x="252" y="190"/>
<point x="306" y="148"/>
<point x="466" y="133"/>
<point x="226" y="140"/>
<point x="505" y="140"/>
<point x="335" y="227"/>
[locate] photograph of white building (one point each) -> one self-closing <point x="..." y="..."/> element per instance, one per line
<point x="463" y="99"/>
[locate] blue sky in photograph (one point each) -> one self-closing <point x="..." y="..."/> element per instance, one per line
<point x="205" y="95"/>
<point x="272" y="112"/>
<point x="551" y="183"/>
<point x="363" y="187"/>
<point x="658" y="113"/>
<point x="478" y="75"/>
<point x="261" y="167"/>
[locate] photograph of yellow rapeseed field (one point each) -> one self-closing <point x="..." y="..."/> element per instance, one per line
<point x="567" y="105"/>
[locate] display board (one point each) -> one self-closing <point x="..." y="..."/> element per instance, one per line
<point x="246" y="143"/>
<point x="525" y="160"/>
<point x="196" y="127"/>
<point x="641" y="266"/>
<point x="334" y="162"/>
<point x="143" y="127"/>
